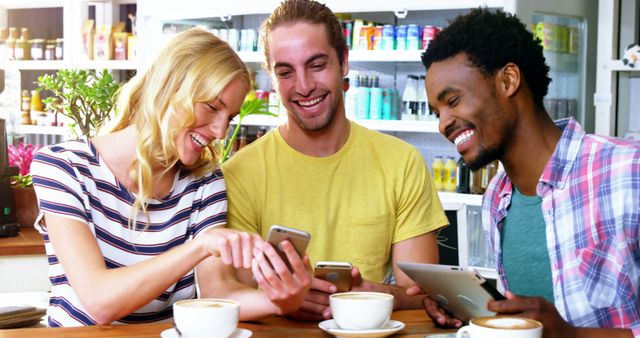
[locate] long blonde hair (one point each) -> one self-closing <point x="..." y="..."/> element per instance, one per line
<point x="195" y="66"/>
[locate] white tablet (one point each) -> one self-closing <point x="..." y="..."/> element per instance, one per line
<point x="460" y="291"/>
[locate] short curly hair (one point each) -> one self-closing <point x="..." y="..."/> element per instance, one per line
<point x="490" y="40"/>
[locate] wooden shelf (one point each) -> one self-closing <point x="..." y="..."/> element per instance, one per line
<point x="38" y="65"/>
<point x="455" y="201"/>
<point x="617" y="65"/>
<point x="43" y="130"/>
<point x="28" y="242"/>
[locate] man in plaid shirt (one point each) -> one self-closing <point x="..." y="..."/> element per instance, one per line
<point x="563" y="218"/>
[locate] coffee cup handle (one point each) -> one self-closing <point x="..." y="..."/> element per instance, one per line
<point x="463" y="330"/>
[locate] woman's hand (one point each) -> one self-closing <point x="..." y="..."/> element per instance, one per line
<point x="233" y="247"/>
<point x="286" y="289"/>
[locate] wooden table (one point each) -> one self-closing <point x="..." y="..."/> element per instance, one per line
<point x="417" y="325"/>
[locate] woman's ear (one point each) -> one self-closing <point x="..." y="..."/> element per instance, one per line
<point x="510" y="79"/>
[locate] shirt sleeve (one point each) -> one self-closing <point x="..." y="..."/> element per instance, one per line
<point x="58" y="186"/>
<point x="241" y="214"/>
<point x="212" y="207"/>
<point x="419" y="210"/>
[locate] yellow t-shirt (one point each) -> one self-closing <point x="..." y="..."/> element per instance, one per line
<point x="374" y="192"/>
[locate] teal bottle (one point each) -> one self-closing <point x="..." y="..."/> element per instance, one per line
<point x="364" y="99"/>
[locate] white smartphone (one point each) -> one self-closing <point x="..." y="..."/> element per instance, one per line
<point x="298" y="238"/>
<point x="338" y="273"/>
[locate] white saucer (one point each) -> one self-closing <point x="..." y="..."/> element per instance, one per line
<point x="390" y="328"/>
<point x="238" y="333"/>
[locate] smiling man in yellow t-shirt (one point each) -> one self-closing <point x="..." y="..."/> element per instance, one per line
<point x="365" y="197"/>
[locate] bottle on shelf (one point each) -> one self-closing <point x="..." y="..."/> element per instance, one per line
<point x="423" y="111"/>
<point x="37" y="109"/>
<point x="243" y="138"/>
<point x="10" y="43"/>
<point x="375" y="107"/>
<point x="395" y="104"/>
<point x="476" y="181"/>
<point x="261" y="132"/>
<point x="25" y="108"/>
<point x="22" y="49"/>
<point x="462" y="181"/>
<point x="437" y="167"/>
<point x="364" y="98"/>
<point x="488" y="172"/>
<point x="409" y="98"/>
<point x="449" y="177"/>
<point x="387" y="104"/>
<point x="4" y="34"/>
<point x="351" y="98"/>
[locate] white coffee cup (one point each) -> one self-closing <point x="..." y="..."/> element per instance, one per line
<point x="361" y="310"/>
<point x="501" y="327"/>
<point x="206" y="317"/>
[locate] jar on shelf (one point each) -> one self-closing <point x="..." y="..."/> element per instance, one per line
<point x="50" y="50"/>
<point x="36" y="102"/>
<point x="59" y="48"/>
<point x="37" y="49"/>
<point x="25" y="107"/>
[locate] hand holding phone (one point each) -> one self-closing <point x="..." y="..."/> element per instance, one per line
<point x="338" y="273"/>
<point x="298" y="238"/>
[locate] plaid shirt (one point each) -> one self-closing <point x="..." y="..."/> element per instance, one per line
<point x="590" y="191"/>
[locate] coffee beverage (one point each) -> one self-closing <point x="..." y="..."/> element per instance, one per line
<point x="210" y="318"/>
<point x="501" y="327"/>
<point x="361" y="310"/>
<point x="370" y="295"/>
<point x="507" y="323"/>
<point x="206" y="303"/>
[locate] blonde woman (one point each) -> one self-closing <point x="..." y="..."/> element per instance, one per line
<point x="129" y="214"/>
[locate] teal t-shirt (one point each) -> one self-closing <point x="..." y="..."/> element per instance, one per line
<point x="524" y="248"/>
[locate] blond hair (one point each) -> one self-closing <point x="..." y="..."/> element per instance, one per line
<point x="195" y="66"/>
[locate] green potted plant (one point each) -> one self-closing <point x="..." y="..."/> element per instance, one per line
<point x="87" y="97"/>
<point x="251" y="106"/>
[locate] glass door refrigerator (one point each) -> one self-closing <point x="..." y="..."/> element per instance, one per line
<point x="567" y="30"/>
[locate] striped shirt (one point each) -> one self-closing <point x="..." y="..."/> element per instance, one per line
<point x="590" y="191"/>
<point x="72" y="180"/>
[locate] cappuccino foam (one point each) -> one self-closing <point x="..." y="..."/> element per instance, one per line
<point x="360" y="296"/>
<point x="205" y="304"/>
<point x="510" y="323"/>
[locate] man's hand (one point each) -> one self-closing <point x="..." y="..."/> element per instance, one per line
<point x="286" y="289"/>
<point x="438" y="315"/>
<point x="536" y="308"/>
<point x="316" y="303"/>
